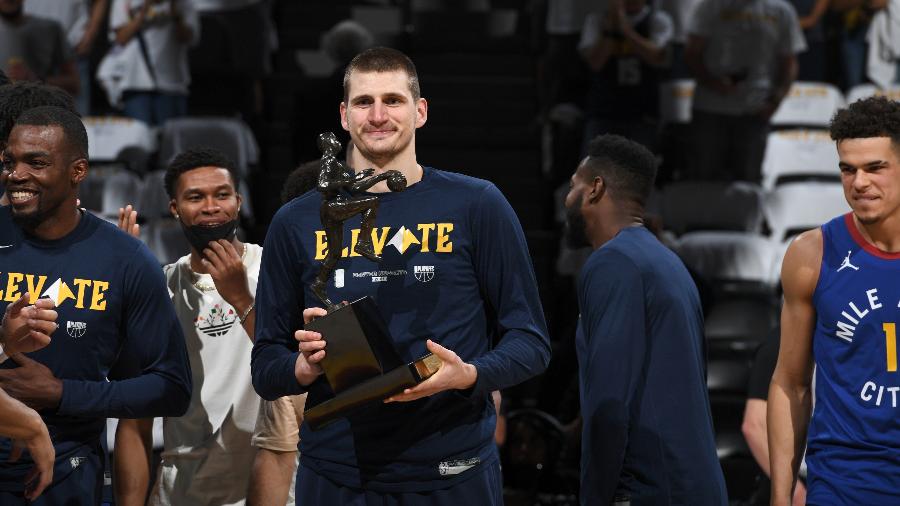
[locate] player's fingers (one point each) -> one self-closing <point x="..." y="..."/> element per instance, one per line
<point x="410" y="394"/>
<point x="307" y="335"/>
<point x="42" y="327"/>
<point x="226" y="249"/>
<point x="44" y="303"/>
<point x="38" y="314"/>
<point x="20" y="359"/>
<point x="311" y="347"/>
<point x="442" y="353"/>
<point x="315" y="358"/>
<point x="311" y="313"/>
<point x="19" y="304"/>
<point x="211" y="267"/>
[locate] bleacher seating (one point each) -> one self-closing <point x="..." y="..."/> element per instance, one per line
<point x="120" y="139"/>
<point x="808" y="104"/>
<point x="861" y="91"/>
<point x="799" y="154"/>
<point x="794" y="207"/>
<point x="706" y="205"/>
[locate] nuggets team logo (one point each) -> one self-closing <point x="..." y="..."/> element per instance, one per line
<point x="76" y="329"/>
<point x="217" y="322"/>
<point x="424" y="273"/>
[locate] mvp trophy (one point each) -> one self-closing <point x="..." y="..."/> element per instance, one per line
<point x="361" y="364"/>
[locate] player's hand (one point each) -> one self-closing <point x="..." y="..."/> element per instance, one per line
<point x="312" y="349"/>
<point x="43" y="454"/>
<point x="27" y="328"/>
<point x="32" y="383"/>
<point x="454" y="374"/>
<point x="225" y="265"/>
<point x="128" y="221"/>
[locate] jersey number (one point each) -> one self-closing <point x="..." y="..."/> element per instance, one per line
<point x="890" y="335"/>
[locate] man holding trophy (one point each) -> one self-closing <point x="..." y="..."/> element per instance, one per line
<point x="447" y="268"/>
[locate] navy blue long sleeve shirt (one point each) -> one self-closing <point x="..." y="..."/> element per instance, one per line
<point x="647" y="432"/>
<point x="456" y="270"/>
<point x="119" y="349"/>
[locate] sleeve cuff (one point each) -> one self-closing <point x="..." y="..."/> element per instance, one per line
<point x="66" y="401"/>
<point x="479" y="389"/>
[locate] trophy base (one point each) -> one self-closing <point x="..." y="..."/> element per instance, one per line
<point x="372" y="390"/>
<point x="359" y="345"/>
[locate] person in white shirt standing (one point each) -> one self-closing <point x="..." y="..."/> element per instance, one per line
<point x="157" y="33"/>
<point x="208" y="454"/>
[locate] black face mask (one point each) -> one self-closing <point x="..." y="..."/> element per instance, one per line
<point x="200" y="236"/>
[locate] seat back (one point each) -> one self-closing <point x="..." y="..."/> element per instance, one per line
<point x="808" y="104"/>
<point x="799" y="154"/>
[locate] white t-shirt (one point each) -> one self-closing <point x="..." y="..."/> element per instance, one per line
<point x="168" y="56"/>
<point x="681" y="12"/>
<point x="73" y="15"/>
<point x="207" y="453"/>
<point x="744" y="38"/>
<point x="661" y="29"/>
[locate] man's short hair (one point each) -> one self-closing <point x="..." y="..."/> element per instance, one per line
<point x="628" y="168"/>
<point x="869" y="117"/>
<point x="19" y="97"/>
<point x="194" y="159"/>
<point x="71" y="125"/>
<point x="303" y="179"/>
<point x="3" y="79"/>
<point x="383" y="59"/>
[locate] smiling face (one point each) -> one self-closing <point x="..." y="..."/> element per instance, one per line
<point x="870" y="174"/>
<point x="43" y="174"/>
<point x="205" y="196"/>
<point x="382" y="115"/>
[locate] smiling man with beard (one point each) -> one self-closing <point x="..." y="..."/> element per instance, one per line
<point x="118" y="351"/>
<point x="647" y="430"/>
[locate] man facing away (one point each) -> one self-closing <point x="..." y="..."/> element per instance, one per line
<point x="647" y="429"/>
<point x="119" y="351"/>
<point x="455" y="273"/>
<point x="841" y="298"/>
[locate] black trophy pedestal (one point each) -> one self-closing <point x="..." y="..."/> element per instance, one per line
<point x="361" y="363"/>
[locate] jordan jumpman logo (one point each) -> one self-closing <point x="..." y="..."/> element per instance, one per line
<point x="846" y="263"/>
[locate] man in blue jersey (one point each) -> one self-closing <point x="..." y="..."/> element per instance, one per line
<point x="455" y="273"/>
<point x="119" y="351"/>
<point x="841" y="308"/>
<point x="647" y="434"/>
